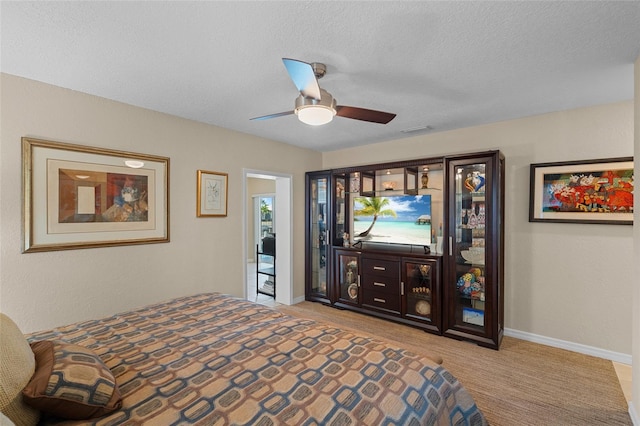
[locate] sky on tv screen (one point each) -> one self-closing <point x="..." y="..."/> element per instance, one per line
<point x="407" y="207"/>
<point x="404" y="228"/>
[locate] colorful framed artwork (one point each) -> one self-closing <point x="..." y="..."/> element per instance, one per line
<point x="84" y="197"/>
<point x="591" y="191"/>
<point x="212" y="194"/>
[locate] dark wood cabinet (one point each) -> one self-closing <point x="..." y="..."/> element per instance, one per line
<point x="447" y="278"/>
<point x="474" y="249"/>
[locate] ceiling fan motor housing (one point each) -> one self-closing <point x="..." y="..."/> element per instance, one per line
<point x="325" y="102"/>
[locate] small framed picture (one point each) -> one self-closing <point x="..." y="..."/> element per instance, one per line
<point x="212" y="194"/>
<point x="591" y="191"/>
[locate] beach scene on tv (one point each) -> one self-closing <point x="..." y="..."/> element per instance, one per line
<point x="402" y="219"/>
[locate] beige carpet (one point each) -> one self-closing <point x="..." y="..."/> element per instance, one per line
<point x="521" y="384"/>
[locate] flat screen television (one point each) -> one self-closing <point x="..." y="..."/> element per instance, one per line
<point x="394" y="219"/>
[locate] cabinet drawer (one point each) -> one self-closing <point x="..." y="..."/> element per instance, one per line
<point x="381" y="284"/>
<point x="387" y="268"/>
<point x="379" y="300"/>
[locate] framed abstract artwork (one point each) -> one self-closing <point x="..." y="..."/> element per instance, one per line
<point x="83" y="197"/>
<point x="590" y="191"/>
<point x="212" y="194"/>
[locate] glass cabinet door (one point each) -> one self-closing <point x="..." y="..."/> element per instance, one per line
<point x="318" y="234"/>
<point x="340" y="206"/>
<point x="348" y="276"/>
<point x="420" y="292"/>
<point x="468" y="240"/>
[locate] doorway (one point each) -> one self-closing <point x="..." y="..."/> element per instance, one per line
<point x="280" y="202"/>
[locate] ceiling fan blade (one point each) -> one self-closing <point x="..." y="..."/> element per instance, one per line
<point x="364" y="114"/>
<point x="266" y="117"/>
<point x="303" y="77"/>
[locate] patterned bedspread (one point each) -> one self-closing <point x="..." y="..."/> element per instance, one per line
<point x="213" y="359"/>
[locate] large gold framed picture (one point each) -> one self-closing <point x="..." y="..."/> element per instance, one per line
<point x="83" y="197"/>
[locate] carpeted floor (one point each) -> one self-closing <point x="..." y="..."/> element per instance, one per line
<point x="523" y="383"/>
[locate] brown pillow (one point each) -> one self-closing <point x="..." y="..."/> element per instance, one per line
<point x="71" y="382"/>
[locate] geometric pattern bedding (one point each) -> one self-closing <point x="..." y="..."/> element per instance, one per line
<point x="214" y="359"/>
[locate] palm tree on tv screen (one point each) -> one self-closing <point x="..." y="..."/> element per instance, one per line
<point x="373" y="206"/>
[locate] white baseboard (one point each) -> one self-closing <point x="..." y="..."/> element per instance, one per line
<point x="634" y="415"/>
<point x="570" y="346"/>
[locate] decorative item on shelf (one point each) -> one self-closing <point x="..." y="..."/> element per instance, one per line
<point x="478" y="181"/>
<point x="474" y="255"/>
<point x="354" y="185"/>
<point x="389" y="185"/>
<point x="424" y="270"/>
<point x="465" y="218"/>
<point x="353" y="291"/>
<point x="339" y="190"/>
<point x="473" y="316"/>
<point x="468" y="182"/>
<point x="473" y="217"/>
<point x="481" y="218"/>
<point x="471" y="284"/>
<point x="425" y="178"/>
<point x="345" y="240"/>
<point x="349" y="277"/>
<point x="423" y="307"/>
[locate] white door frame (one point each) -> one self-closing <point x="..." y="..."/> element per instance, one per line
<point x="284" y="236"/>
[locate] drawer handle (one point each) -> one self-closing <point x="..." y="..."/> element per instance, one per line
<point x="379" y="284"/>
<point x="379" y="268"/>
<point x="375" y="299"/>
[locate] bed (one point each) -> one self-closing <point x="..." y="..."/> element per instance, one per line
<point x="217" y="360"/>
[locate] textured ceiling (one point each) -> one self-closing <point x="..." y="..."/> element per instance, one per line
<point x="443" y="64"/>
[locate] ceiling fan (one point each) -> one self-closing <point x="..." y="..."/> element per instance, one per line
<point x="316" y="106"/>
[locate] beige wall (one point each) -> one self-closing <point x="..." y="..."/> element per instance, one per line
<point x="571" y="282"/>
<point x="565" y="281"/>
<point x="41" y="290"/>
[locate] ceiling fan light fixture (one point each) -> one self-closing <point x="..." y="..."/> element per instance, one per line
<point x="315" y="115"/>
<point x="316" y="112"/>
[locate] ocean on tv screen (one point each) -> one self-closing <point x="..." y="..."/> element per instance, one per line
<point x="411" y="224"/>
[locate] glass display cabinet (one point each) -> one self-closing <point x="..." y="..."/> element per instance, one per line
<point x="473" y="281"/>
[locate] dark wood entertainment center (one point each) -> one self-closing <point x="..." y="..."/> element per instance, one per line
<point x="449" y="281"/>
